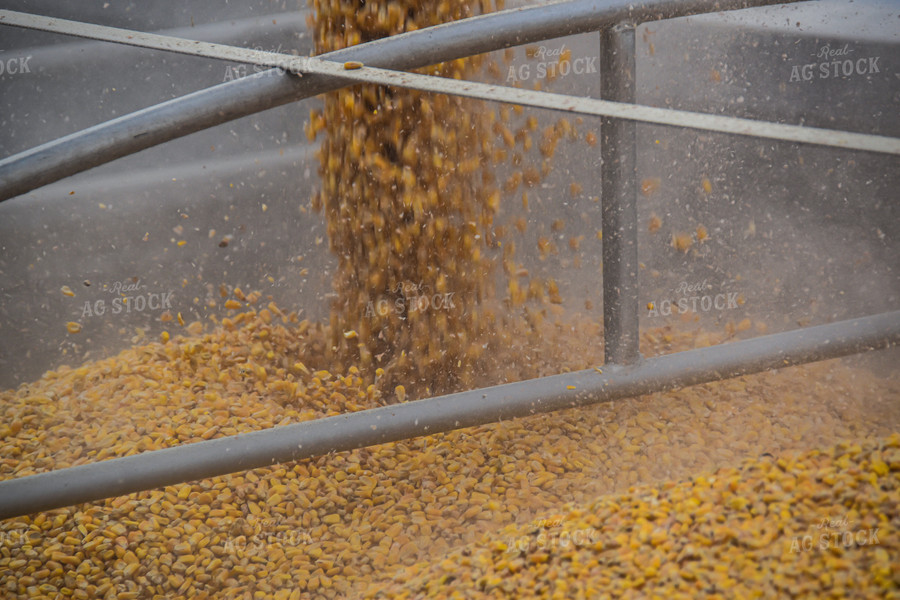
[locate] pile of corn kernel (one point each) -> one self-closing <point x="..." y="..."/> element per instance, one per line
<point x="331" y="527"/>
<point x="823" y="524"/>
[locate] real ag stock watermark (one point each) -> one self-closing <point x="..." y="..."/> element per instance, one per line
<point x="549" y="537"/>
<point x="233" y="72"/>
<point x="14" y="65"/>
<point x="255" y="536"/>
<point x="835" y="532"/>
<point x="693" y="297"/>
<point x="833" y="63"/>
<point x="407" y="298"/>
<point x="552" y="62"/>
<point x="130" y="296"/>
<point x="16" y="537"/>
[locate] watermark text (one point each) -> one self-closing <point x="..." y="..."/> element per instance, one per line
<point x="690" y="297"/>
<point x="834" y="63"/>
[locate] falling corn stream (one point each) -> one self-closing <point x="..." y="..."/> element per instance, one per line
<point x="781" y="484"/>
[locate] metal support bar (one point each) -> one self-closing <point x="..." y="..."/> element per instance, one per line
<point x="204" y="109"/>
<point x="618" y="199"/>
<point x="190" y="462"/>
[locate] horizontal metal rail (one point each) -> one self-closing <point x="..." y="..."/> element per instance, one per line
<point x="298" y="65"/>
<point x="157" y="124"/>
<point x="190" y="462"/>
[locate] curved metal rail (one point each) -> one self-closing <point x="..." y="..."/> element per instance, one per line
<point x="157" y="124"/>
<point x="359" y="73"/>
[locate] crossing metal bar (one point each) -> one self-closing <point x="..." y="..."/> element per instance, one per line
<point x="190" y="462"/>
<point x="194" y="112"/>
<point x="442" y="85"/>
<point x="618" y="199"/>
